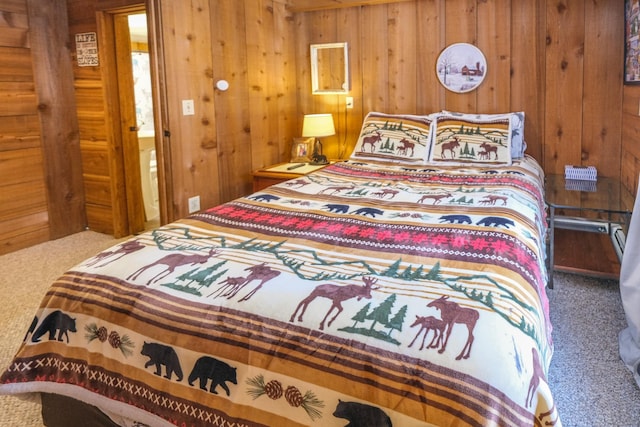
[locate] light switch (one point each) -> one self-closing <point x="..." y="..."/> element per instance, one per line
<point x="188" y="109"/>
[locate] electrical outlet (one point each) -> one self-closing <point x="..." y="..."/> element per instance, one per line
<point x="349" y="102"/>
<point x="194" y="204"/>
<point x="188" y="108"/>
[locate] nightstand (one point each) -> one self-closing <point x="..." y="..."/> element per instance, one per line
<point x="602" y="206"/>
<point x="281" y="172"/>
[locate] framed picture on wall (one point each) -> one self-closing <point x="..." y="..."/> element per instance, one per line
<point x="631" y="42"/>
<point x="301" y="150"/>
<point x="461" y="67"/>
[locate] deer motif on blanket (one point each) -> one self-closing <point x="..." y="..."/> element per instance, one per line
<point x="452" y="313"/>
<point x="125" y="248"/>
<point x="172" y="261"/>
<point x="232" y="285"/>
<point x="337" y="294"/>
<point x="429" y="323"/>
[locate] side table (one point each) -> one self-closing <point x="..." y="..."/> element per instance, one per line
<point x="281" y="172"/>
<point x="602" y="206"/>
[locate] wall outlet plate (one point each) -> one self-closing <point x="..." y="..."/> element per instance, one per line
<point x="349" y="102"/>
<point x="194" y="204"/>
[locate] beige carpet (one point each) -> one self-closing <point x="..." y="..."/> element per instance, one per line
<point x="20" y="297"/>
<point x="590" y="383"/>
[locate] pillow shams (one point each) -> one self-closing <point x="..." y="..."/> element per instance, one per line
<point x="518" y="144"/>
<point x="394" y="138"/>
<point x="459" y="141"/>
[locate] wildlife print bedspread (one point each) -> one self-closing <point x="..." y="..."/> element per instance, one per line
<point x="364" y="294"/>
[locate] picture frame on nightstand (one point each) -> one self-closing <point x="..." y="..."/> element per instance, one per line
<point x="301" y="150"/>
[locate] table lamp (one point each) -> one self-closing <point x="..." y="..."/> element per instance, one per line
<point x="315" y="126"/>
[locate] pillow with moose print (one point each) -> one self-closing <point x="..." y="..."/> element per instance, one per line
<point x="393" y="138"/>
<point x="460" y="141"/>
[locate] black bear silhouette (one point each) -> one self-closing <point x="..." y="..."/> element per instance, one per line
<point x="55" y="321"/>
<point x="361" y="415"/>
<point x="216" y="370"/>
<point x="159" y="355"/>
<point x="32" y="328"/>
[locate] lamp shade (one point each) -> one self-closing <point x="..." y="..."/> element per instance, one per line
<point x="316" y="125"/>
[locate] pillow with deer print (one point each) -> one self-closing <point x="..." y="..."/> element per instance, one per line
<point x="394" y="138"/>
<point x="518" y="144"/>
<point x="459" y="141"/>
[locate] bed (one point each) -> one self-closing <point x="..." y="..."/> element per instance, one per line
<point x="404" y="286"/>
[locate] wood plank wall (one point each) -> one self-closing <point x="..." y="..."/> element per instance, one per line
<point x="40" y="197"/>
<point x="23" y="199"/>
<point x="558" y="62"/>
<point x="249" y="44"/>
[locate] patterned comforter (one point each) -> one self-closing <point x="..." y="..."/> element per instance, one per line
<point x="366" y="294"/>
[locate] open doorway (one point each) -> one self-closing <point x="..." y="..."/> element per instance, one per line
<point x="144" y="110"/>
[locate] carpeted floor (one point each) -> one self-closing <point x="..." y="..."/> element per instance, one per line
<point x="591" y="385"/>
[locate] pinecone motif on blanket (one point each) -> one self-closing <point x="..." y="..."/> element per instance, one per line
<point x="273" y="389"/>
<point x="293" y="396"/>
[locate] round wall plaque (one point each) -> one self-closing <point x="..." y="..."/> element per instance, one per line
<point x="461" y="67"/>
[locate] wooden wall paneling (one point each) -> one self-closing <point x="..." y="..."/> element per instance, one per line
<point x="320" y="28"/>
<point x="349" y="122"/>
<point x="564" y="85"/>
<point x="494" y="40"/>
<point x="310" y="5"/>
<point x="527" y="71"/>
<point x="19" y="132"/>
<point x="263" y="108"/>
<point x="602" y="114"/>
<point x="16" y="63"/>
<point x="461" y="27"/>
<point x="187" y="36"/>
<point x="14" y="24"/>
<point x="17" y="98"/>
<point x="229" y="52"/>
<point x="374" y="53"/>
<point x="430" y="41"/>
<point x="630" y="148"/>
<point x="22" y="179"/>
<point x="56" y="104"/>
<point x="285" y="71"/>
<point x="403" y="56"/>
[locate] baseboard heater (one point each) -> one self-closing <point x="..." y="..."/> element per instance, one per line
<point x="613" y="229"/>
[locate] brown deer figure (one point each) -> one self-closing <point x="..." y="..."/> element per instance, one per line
<point x="337" y="294"/>
<point x="371" y="140"/>
<point x="450" y="146"/>
<point x="536" y="376"/>
<point x="123" y="249"/>
<point x="492" y="199"/>
<point x="230" y="284"/>
<point x="451" y="313"/>
<point x="489" y="149"/>
<point x="437" y="198"/>
<point x="260" y="272"/>
<point x="171" y="262"/>
<point x="405" y="145"/>
<point x="337" y="189"/>
<point x="429" y="323"/>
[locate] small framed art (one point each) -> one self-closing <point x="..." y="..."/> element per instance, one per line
<point x="631" y="42"/>
<point x="301" y="150"/>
